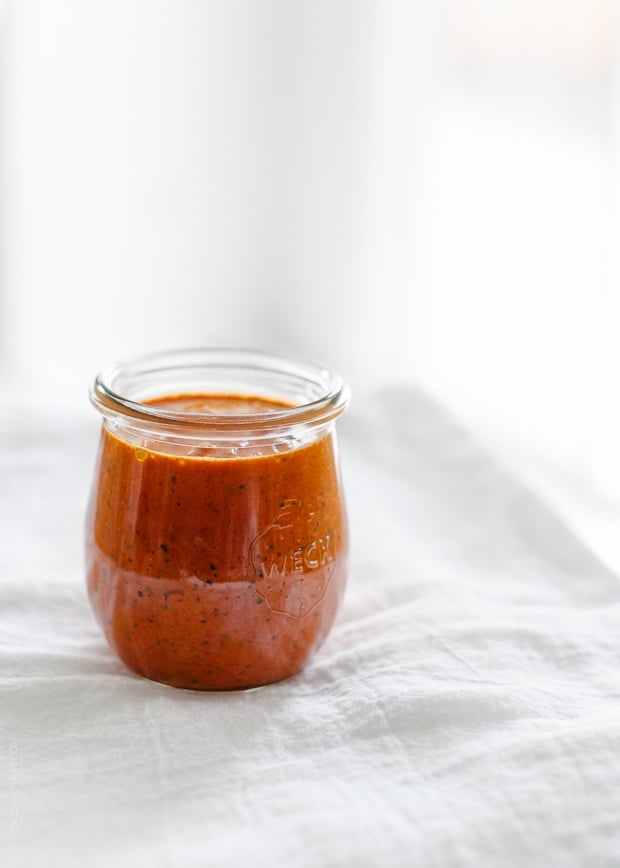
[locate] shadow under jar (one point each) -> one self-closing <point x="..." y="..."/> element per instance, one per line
<point x="216" y="535"/>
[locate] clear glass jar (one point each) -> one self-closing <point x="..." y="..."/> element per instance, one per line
<point x="216" y="538"/>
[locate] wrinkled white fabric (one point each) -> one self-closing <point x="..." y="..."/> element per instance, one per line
<point x="464" y="711"/>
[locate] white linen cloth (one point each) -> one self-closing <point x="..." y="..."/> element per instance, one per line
<point x="464" y="711"/>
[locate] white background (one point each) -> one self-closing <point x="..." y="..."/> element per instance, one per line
<point x="419" y="191"/>
<point x="415" y="192"/>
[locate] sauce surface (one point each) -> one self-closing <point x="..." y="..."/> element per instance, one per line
<point x="216" y="572"/>
<point x="225" y="405"/>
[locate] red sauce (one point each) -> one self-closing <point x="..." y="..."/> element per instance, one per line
<point x="216" y="572"/>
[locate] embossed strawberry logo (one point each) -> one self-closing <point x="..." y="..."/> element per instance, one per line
<point x="292" y="564"/>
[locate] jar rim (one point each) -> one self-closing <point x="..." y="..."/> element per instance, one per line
<point x="330" y="395"/>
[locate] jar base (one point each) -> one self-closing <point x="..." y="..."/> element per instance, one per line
<point x="210" y="686"/>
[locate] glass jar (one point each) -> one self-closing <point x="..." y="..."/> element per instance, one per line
<point x="216" y="538"/>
